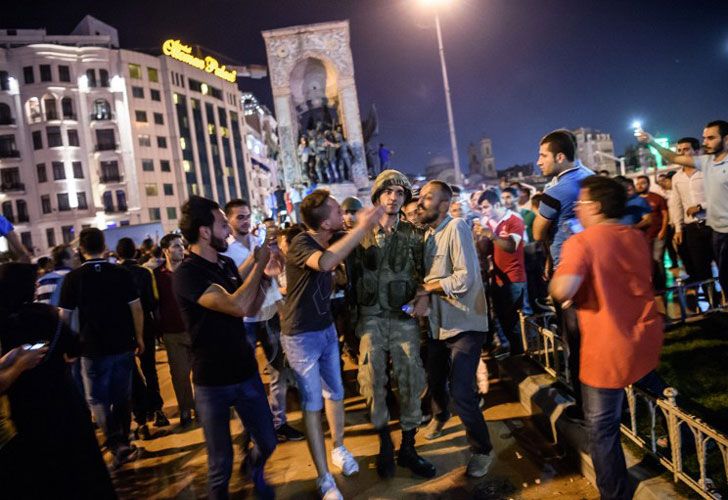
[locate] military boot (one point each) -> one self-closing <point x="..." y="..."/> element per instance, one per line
<point x="385" y="459"/>
<point x="408" y="457"/>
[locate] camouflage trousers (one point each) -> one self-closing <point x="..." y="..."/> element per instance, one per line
<point x="400" y="339"/>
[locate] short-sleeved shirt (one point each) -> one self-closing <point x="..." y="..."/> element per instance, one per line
<point x="509" y="267"/>
<point x="557" y="205"/>
<point x="308" y="292"/>
<point x="637" y="207"/>
<point x="170" y="317"/>
<point x="657" y="205"/>
<point x="715" y="176"/>
<point x="621" y="330"/>
<point x="220" y="353"/>
<point x="5" y="226"/>
<point x="102" y="292"/>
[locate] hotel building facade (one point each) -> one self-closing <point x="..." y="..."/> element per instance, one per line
<point x="95" y="135"/>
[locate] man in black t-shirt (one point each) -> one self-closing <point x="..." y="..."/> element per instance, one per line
<point x="110" y="320"/>
<point x="309" y="337"/>
<point x="213" y="299"/>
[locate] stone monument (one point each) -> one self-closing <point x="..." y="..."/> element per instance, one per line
<point x="312" y="78"/>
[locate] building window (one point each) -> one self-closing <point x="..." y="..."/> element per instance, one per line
<point x="168" y="189"/>
<point x="145" y="141"/>
<point x="82" y="203"/>
<point x="50" y="108"/>
<point x="155" y="95"/>
<point x="53" y="134"/>
<point x="4" y="80"/>
<point x="37" y="140"/>
<point x="161" y="142"/>
<point x="91" y="77"/>
<point x="51" y="237"/>
<point x="45" y="204"/>
<point x="164" y="166"/>
<point x="104" y="77"/>
<point x="22" y="207"/>
<point x="45" y="73"/>
<point x="151" y="190"/>
<point x="77" y="169"/>
<point x="137" y="92"/>
<point x="121" y="200"/>
<point x="67" y="108"/>
<point x="32" y="108"/>
<point x="102" y="110"/>
<point x="172" y="213"/>
<point x="72" y="137"/>
<point x="155" y="214"/>
<point x="148" y="165"/>
<point x="6" y="117"/>
<point x="59" y="170"/>
<point x="42" y="173"/>
<point x="64" y="204"/>
<point x="152" y="74"/>
<point x="28" y="74"/>
<point x="64" y="73"/>
<point x="8" y="149"/>
<point x="105" y="139"/>
<point x="110" y="172"/>
<point x="135" y="71"/>
<point x="108" y="201"/>
<point x="67" y="234"/>
<point x="140" y="116"/>
<point x="10" y="179"/>
<point x="159" y="118"/>
<point x="8" y="211"/>
<point x="27" y="240"/>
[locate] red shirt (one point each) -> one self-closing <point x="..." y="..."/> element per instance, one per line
<point x="621" y="331"/>
<point x="657" y="204"/>
<point x="509" y="267"/>
<point x="170" y="318"/>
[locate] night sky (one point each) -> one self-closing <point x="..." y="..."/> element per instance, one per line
<point x="518" y="68"/>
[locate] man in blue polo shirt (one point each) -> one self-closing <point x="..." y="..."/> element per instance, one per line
<point x="14" y="245"/>
<point x="714" y="166"/>
<point x="556" y="221"/>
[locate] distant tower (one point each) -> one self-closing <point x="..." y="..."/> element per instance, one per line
<point x="487" y="160"/>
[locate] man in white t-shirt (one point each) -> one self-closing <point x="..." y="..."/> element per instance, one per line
<point x="265" y="326"/>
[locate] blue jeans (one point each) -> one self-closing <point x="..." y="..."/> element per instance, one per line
<point x="107" y="384"/>
<point x="507" y="300"/>
<point x="269" y="335"/>
<point x="314" y="359"/>
<point x="213" y="408"/>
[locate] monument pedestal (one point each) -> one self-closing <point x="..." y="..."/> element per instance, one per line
<point x="345" y="189"/>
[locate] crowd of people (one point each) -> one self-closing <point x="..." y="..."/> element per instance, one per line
<point x="414" y="288"/>
<point x="325" y="155"/>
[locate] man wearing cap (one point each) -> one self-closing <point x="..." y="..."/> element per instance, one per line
<point x="350" y="206"/>
<point x="386" y="269"/>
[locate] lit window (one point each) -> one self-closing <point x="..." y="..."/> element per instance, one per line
<point x="205" y="89"/>
<point x="135" y="71"/>
<point x="187" y="165"/>
<point x="182" y="143"/>
<point x="151" y="190"/>
<point x="152" y="74"/>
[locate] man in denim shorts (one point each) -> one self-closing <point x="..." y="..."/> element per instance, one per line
<point x="309" y="338"/>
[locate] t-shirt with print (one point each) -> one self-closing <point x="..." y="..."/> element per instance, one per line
<point x="308" y="292"/>
<point x="509" y="267"/>
<point x="621" y="330"/>
<point x="657" y="204"/>
<point x="557" y="205"/>
<point x="220" y="353"/>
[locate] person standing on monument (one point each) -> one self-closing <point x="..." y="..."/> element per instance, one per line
<point x="386" y="269"/>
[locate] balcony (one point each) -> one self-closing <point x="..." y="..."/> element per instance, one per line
<point x="111" y="146"/>
<point x="7" y="121"/>
<point x="9" y="153"/>
<point x="12" y="187"/>
<point x="70" y="116"/>
<point x="101" y="116"/>
<point x="116" y="210"/>
<point x="111" y="179"/>
<point x="23" y="218"/>
<point x="50" y="116"/>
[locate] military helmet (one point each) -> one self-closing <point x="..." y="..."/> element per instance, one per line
<point x="351" y="204"/>
<point x="391" y="178"/>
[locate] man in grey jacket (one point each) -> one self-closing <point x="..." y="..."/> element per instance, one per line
<point x="458" y="322"/>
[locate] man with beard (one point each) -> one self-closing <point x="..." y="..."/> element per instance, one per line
<point x="386" y="270"/>
<point x="714" y="166"/>
<point x="213" y="299"/>
<point x="657" y="229"/>
<point x="350" y="207"/>
<point x="458" y="320"/>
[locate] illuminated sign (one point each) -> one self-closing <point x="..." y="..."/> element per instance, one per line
<point x="183" y="53"/>
<point x="665" y="143"/>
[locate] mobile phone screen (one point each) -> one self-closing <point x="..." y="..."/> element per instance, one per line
<point x="37" y="346"/>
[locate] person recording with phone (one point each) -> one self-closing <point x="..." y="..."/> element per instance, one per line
<point x="48" y="413"/>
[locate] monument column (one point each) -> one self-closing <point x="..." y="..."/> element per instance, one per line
<point x="352" y="128"/>
<point x="287" y="137"/>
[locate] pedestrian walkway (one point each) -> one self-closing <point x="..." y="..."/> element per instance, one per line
<point x="526" y="466"/>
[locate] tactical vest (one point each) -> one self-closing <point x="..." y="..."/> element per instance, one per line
<point x="384" y="278"/>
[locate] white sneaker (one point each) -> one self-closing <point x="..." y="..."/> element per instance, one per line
<point x="344" y="460"/>
<point x="328" y="489"/>
<point x="479" y="464"/>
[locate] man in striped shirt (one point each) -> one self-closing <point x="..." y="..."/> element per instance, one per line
<point x="48" y="289"/>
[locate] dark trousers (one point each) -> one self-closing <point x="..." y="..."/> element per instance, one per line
<point x="571" y="336"/>
<point x="456" y="360"/>
<point x="720" y="252"/>
<point x="507" y="300"/>
<point x="696" y="251"/>
<point x="145" y="394"/>
<point x="179" y="355"/>
<point x="213" y="409"/>
<point x="670" y="247"/>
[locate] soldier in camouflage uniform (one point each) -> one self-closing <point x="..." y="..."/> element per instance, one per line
<point x="386" y="269"/>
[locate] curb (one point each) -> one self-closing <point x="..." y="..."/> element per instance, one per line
<point x="545" y="400"/>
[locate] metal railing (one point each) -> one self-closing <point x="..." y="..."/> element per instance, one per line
<point x="690" y="463"/>
<point x="684" y="301"/>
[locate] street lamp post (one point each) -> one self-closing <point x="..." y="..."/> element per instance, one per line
<point x="450" y="120"/>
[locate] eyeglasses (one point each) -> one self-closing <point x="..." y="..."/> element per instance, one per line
<point x="584" y="202"/>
